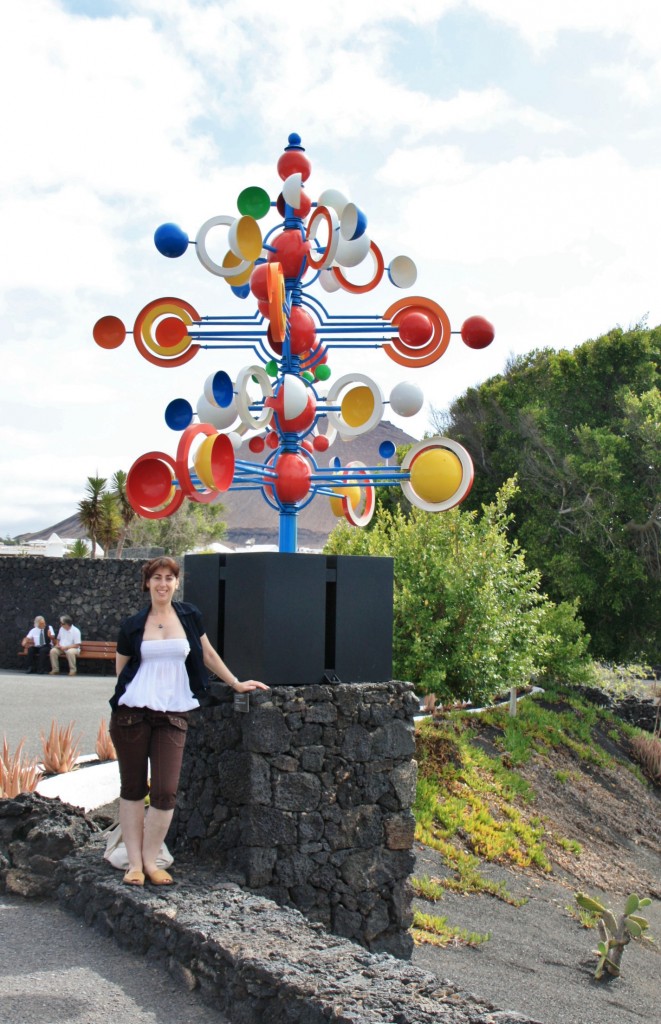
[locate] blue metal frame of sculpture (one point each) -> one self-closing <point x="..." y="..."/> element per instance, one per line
<point x="291" y="335"/>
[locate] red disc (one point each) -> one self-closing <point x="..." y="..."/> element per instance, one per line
<point x="149" y="483"/>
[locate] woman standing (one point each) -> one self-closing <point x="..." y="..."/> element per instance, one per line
<point x="162" y="659"/>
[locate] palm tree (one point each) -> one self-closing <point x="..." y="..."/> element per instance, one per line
<point x="78" y="549"/>
<point x="90" y="509"/>
<point x="110" y="527"/>
<point x="124" y="507"/>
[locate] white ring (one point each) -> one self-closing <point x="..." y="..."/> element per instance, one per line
<point x="243" y="402"/>
<point x="203" y="255"/>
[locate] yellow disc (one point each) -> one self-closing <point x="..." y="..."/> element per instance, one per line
<point x="248" y="238"/>
<point x="436" y="475"/>
<point x="202" y="462"/>
<point x="357" y="406"/>
<point x="236" y="280"/>
<point x="352" y="493"/>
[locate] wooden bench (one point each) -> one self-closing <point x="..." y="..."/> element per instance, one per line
<point x="90" y="650"/>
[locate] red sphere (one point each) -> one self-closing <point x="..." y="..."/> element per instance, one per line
<point x="264" y="308"/>
<point x="294" y="161"/>
<point x="300" y="211"/>
<point x="256" y="444"/>
<point x="302" y="334"/>
<point x="304" y="419"/>
<point x="109" y="332"/>
<point x="290" y="251"/>
<point x="293" y="481"/>
<point x="275" y="345"/>
<point x="258" y="283"/>
<point x="272" y="439"/>
<point x="321" y="443"/>
<point x="308" y="446"/>
<point x="476" y="332"/>
<point x="415" y="329"/>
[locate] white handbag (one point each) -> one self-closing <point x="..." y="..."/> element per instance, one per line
<point x="115" y="851"/>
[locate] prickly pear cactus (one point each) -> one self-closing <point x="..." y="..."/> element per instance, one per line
<point x="614" y="932"/>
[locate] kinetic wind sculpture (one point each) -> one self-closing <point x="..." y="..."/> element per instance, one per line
<point x="279" y="403"/>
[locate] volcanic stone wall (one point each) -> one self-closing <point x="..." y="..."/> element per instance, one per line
<point x="306" y="799"/>
<point x="96" y="592"/>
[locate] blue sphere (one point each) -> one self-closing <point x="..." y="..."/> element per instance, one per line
<point x="170" y="240"/>
<point x="386" y="449"/>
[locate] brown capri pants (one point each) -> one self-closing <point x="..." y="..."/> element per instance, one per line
<point x="144" y="738"/>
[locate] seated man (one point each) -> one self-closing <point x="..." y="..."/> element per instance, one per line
<point x="68" y="642"/>
<point x="41" y="637"/>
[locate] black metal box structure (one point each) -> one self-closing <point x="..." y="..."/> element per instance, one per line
<point x="294" y="619"/>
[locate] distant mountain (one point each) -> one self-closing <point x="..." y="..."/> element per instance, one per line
<point x="248" y="516"/>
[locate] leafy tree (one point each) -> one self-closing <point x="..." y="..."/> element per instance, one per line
<point x="581" y="430"/>
<point x="469" y="618"/>
<point x="91" y="510"/>
<point x="192" y="526"/>
<point x="125" y="509"/>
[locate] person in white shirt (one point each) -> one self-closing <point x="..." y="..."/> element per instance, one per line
<point x="68" y="642"/>
<point x="36" y="645"/>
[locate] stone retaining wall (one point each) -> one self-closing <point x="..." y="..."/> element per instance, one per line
<point x="307" y="800"/>
<point x="244" y="955"/>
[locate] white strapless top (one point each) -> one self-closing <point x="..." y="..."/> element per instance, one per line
<point x="161" y="683"/>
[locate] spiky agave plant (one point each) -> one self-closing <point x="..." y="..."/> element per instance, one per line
<point x="105" y="748"/>
<point x="16" y="775"/>
<point x="60" y="749"/>
<point x="614" y="932"/>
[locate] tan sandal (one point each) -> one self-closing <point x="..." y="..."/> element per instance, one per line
<point x="134" y="877"/>
<point x="160" y="877"/>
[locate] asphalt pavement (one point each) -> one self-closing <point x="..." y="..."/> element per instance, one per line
<point x="53" y="968"/>
<point x="29" y="703"/>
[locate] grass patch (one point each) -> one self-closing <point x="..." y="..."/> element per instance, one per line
<point x="435" y="931"/>
<point x="586" y="918"/>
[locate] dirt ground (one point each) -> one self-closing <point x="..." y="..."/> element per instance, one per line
<point x="539" y="959"/>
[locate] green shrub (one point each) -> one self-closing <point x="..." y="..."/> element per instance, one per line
<point x="469" y="618"/>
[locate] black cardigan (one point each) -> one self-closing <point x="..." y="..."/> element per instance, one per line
<point x="130" y="638"/>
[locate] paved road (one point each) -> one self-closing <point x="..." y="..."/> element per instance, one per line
<point x="54" y="970"/>
<point x="28" y="705"/>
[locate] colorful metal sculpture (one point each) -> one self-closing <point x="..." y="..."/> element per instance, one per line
<point x="278" y="403"/>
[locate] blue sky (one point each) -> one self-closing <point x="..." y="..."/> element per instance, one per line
<point x="512" y="150"/>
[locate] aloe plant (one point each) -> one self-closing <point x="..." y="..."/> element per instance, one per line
<point x="105" y="748"/>
<point x="614" y="932"/>
<point x="16" y="775"/>
<point x="60" y="749"/>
